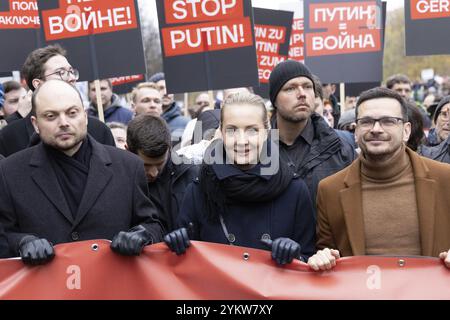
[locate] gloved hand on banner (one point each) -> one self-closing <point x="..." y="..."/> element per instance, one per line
<point x="131" y="243"/>
<point x="178" y="240"/>
<point x="284" y="250"/>
<point x="35" y="251"/>
<point x="324" y="259"/>
<point x="445" y="257"/>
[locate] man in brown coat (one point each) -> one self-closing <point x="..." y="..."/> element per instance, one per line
<point x="390" y="201"/>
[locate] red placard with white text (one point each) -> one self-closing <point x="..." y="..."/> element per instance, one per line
<point x="211" y="41"/>
<point x="272" y="34"/>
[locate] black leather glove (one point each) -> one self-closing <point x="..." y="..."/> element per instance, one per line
<point x="284" y="250"/>
<point x="131" y="243"/>
<point x="35" y="251"/>
<point x="178" y="240"/>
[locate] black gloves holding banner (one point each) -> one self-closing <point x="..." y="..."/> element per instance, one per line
<point x="132" y="242"/>
<point x="35" y="251"/>
<point x="284" y="250"/>
<point x="178" y="240"/>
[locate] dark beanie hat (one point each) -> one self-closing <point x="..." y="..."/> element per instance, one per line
<point x="284" y="72"/>
<point x="441" y="104"/>
<point x="157" y="77"/>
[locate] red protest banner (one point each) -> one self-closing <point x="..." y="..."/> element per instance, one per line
<point x="224" y="26"/>
<point x="23" y="14"/>
<point x="352" y="28"/>
<point x="77" y="18"/>
<point x="83" y="270"/>
<point x="430" y="9"/>
<point x="297" y="41"/>
<point x="122" y="80"/>
<point x="213" y="36"/>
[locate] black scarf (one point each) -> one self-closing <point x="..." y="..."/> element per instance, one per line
<point x="72" y="173"/>
<point x="249" y="186"/>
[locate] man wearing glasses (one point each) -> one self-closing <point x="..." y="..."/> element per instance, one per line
<point x="440" y="152"/>
<point x="390" y="201"/>
<point x="48" y="63"/>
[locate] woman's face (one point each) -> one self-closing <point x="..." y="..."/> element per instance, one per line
<point x="243" y="134"/>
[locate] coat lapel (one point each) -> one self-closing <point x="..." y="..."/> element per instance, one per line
<point x="99" y="175"/>
<point x="44" y="176"/>
<point x="425" y="195"/>
<point x="351" y="203"/>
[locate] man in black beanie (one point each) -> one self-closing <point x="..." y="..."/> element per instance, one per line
<point x="307" y="143"/>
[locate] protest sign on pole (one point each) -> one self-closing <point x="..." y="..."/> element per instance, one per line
<point x="344" y="40"/>
<point x="207" y="44"/>
<point x="272" y="34"/>
<point x="102" y="37"/>
<point x="427" y="25"/>
<point x="19" y="32"/>
<point x="297" y="43"/>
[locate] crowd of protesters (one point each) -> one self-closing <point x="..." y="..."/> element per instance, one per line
<point x="298" y="174"/>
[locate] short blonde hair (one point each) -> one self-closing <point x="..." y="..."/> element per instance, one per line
<point x="150" y="85"/>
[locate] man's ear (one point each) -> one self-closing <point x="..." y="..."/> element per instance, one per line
<point x="36" y="83"/>
<point x="34" y="123"/>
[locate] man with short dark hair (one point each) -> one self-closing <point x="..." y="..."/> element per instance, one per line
<point x="390" y="201"/>
<point x="149" y="137"/>
<point x="400" y="84"/>
<point x="307" y="143"/>
<point x="41" y="65"/>
<point x="13" y="93"/>
<point x="112" y="109"/>
<point x="69" y="187"/>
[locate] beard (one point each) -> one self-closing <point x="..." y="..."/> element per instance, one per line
<point x="66" y="145"/>
<point x="292" y="117"/>
<point x="380" y="153"/>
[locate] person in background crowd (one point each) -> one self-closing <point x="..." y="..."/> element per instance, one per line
<point x="440" y="152"/>
<point x="347" y="122"/>
<point x="309" y="146"/>
<point x="41" y="65"/>
<point x="328" y="113"/>
<point x="69" y="187"/>
<point x="201" y="104"/>
<point x="245" y="196"/>
<point x="112" y="109"/>
<point x="14" y="92"/>
<point x="119" y="131"/>
<point x="403" y="86"/>
<point x="171" y="111"/>
<point x="167" y="176"/>
<point x="146" y="99"/>
<point x="2" y="101"/>
<point x="417" y="136"/>
<point x="328" y="95"/>
<point x="359" y="210"/>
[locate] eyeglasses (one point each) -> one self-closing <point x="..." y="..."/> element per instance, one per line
<point x="385" y="122"/>
<point x="65" y="74"/>
<point x="444" y="115"/>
